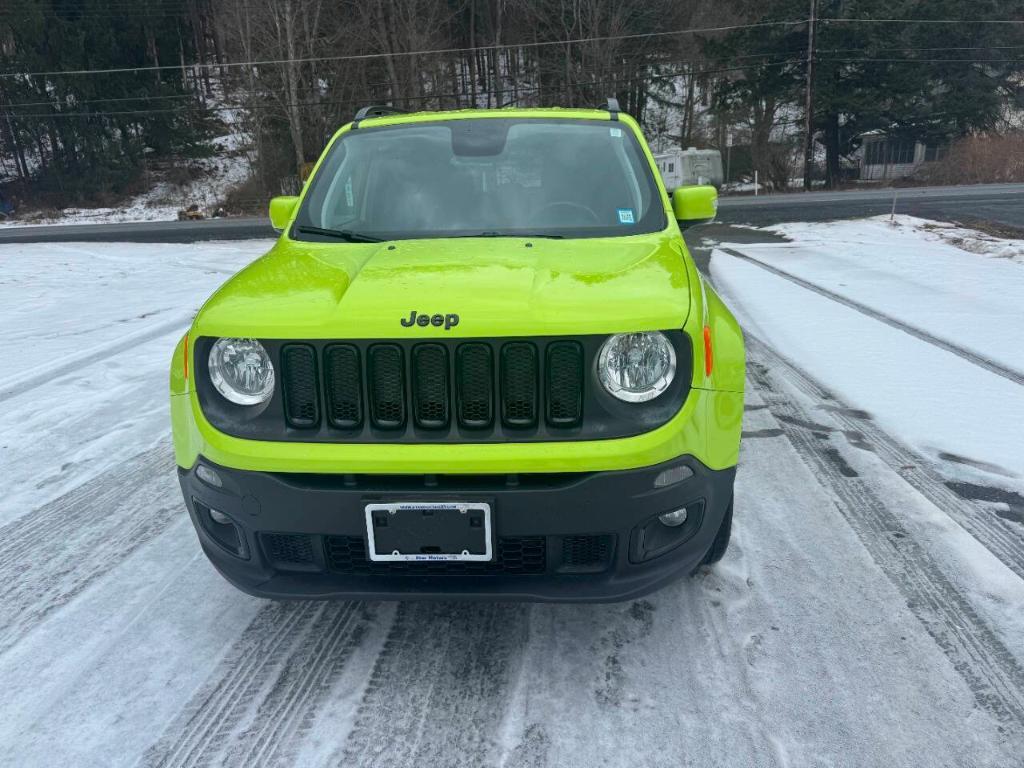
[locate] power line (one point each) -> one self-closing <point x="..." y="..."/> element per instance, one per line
<point x="650" y="76"/>
<point x="365" y="56"/>
<point x="935" y="48"/>
<point x="926" y="61"/>
<point x="922" y="21"/>
<point x="426" y="97"/>
<point x="57" y="102"/>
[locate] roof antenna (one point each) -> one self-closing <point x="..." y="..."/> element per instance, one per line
<point x="612" y="105"/>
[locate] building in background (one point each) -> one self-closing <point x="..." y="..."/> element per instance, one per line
<point x="885" y="157"/>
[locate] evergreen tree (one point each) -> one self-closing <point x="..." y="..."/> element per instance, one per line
<point x="79" y="134"/>
<point x="919" y="80"/>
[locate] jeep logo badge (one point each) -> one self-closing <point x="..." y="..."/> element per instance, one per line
<point x="423" y="320"/>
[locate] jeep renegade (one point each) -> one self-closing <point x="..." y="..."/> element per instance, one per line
<point x="479" y="362"/>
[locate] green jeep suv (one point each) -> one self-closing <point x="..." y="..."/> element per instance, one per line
<point x="478" y="362"/>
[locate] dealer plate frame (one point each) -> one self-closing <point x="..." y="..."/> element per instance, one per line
<point x="422" y="557"/>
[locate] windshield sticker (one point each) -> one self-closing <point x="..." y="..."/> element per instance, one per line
<point x="626" y="216"/>
<point x="616" y="133"/>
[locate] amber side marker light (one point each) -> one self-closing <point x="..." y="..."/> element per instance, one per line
<point x="708" y="357"/>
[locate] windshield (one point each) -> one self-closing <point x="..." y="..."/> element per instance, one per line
<point x="486" y="177"/>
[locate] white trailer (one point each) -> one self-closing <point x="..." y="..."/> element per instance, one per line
<point x="692" y="166"/>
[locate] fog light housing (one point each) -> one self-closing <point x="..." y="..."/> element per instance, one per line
<point x="224" y="531"/>
<point x="209" y="476"/>
<point x="675" y="518"/>
<point x="656" y="536"/>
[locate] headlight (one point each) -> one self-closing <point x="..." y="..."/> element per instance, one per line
<point x="637" y="367"/>
<point x="241" y="370"/>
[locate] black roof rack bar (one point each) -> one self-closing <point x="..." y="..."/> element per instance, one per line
<point x="612" y="105"/>
<point x="376" y="110"/>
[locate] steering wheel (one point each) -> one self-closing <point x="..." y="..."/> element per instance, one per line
<point x="572" y="205"/>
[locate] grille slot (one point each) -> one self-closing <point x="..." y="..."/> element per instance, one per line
<point x="519" y="385"/>
<point x="343" y="386"/>
<point x="564" y="400"/>
<point x="387" y="386"/>
<point x="431" y="390"/>
<point x="474" y="366"/>
<point x="288" y="548"/>
<point x="515" y="556"/>
<point x="301" y="403"/>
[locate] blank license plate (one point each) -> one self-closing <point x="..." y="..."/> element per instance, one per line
<point x="415" y="531"/>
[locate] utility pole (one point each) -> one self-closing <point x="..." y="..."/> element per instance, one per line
<point x="809" y="104"/>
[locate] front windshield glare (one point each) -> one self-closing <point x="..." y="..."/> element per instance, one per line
<point x="486" y="177"/>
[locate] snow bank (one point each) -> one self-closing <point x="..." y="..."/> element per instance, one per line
<point x="944" y="405"/>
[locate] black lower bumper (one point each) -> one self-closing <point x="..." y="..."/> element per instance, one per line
<point x="557" y="537"/>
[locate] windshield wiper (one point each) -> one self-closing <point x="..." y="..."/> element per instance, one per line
<point x="513" y="234"/>
<point x="341" y="234"/>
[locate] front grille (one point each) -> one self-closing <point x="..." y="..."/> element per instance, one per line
<point x="439" y="390"/>
<point x="515" y="556"/>
<point x="288" y="548"/>
<point x="434" y="386"/>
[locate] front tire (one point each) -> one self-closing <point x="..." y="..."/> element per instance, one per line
<point x="721" y="542"/>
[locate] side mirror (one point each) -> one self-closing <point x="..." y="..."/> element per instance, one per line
<point x="281" y="210"/>
<point x="695" y="205"/>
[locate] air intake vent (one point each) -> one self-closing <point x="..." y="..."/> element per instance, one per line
<point x="344" y="386"/>
<point x="301" y="404"/>
<point x="288" y="548"/>
<point x="430" y="386"/>
<point x="519" y="385"/>
<point x="515" y="556"/>
<point x="474" y="369"/>
<point x="387" y="386"/>
<point x="565" y="383"/>
<point x="587" y="554"/>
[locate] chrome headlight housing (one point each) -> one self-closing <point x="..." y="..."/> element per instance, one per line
<point x="241" y="370"/>
<point x="636" y="367"/>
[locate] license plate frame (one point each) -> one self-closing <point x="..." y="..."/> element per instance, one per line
<point x="452" y="510"/>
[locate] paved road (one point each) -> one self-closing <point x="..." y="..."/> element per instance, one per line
<point x="995" y="203"/>
<point x="1001" y="204"/>
<point x="140" y="232"/>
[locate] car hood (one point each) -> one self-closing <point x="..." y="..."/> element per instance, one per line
<point x="496" y="286"/>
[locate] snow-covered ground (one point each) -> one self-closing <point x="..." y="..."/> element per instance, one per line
<point x="961" y="288"/>
<point x="870" y="611"/>
<point x="94" y="325"/>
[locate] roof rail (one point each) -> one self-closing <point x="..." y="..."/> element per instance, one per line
<point x="377" y="110"/>
<point x="612" y="105"/>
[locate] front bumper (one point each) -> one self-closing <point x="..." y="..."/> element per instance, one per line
<point x="578" y="537"/>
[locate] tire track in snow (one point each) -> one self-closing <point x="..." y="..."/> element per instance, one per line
<point x="50" y="555"/>
<point x="440" y="688"/>
<point x="989" y="669"/>
<point x="1002" y="538"/>
<point x="40" y="375"/>
<point x="982" y="362"/>
<point x="260" y="703"/>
